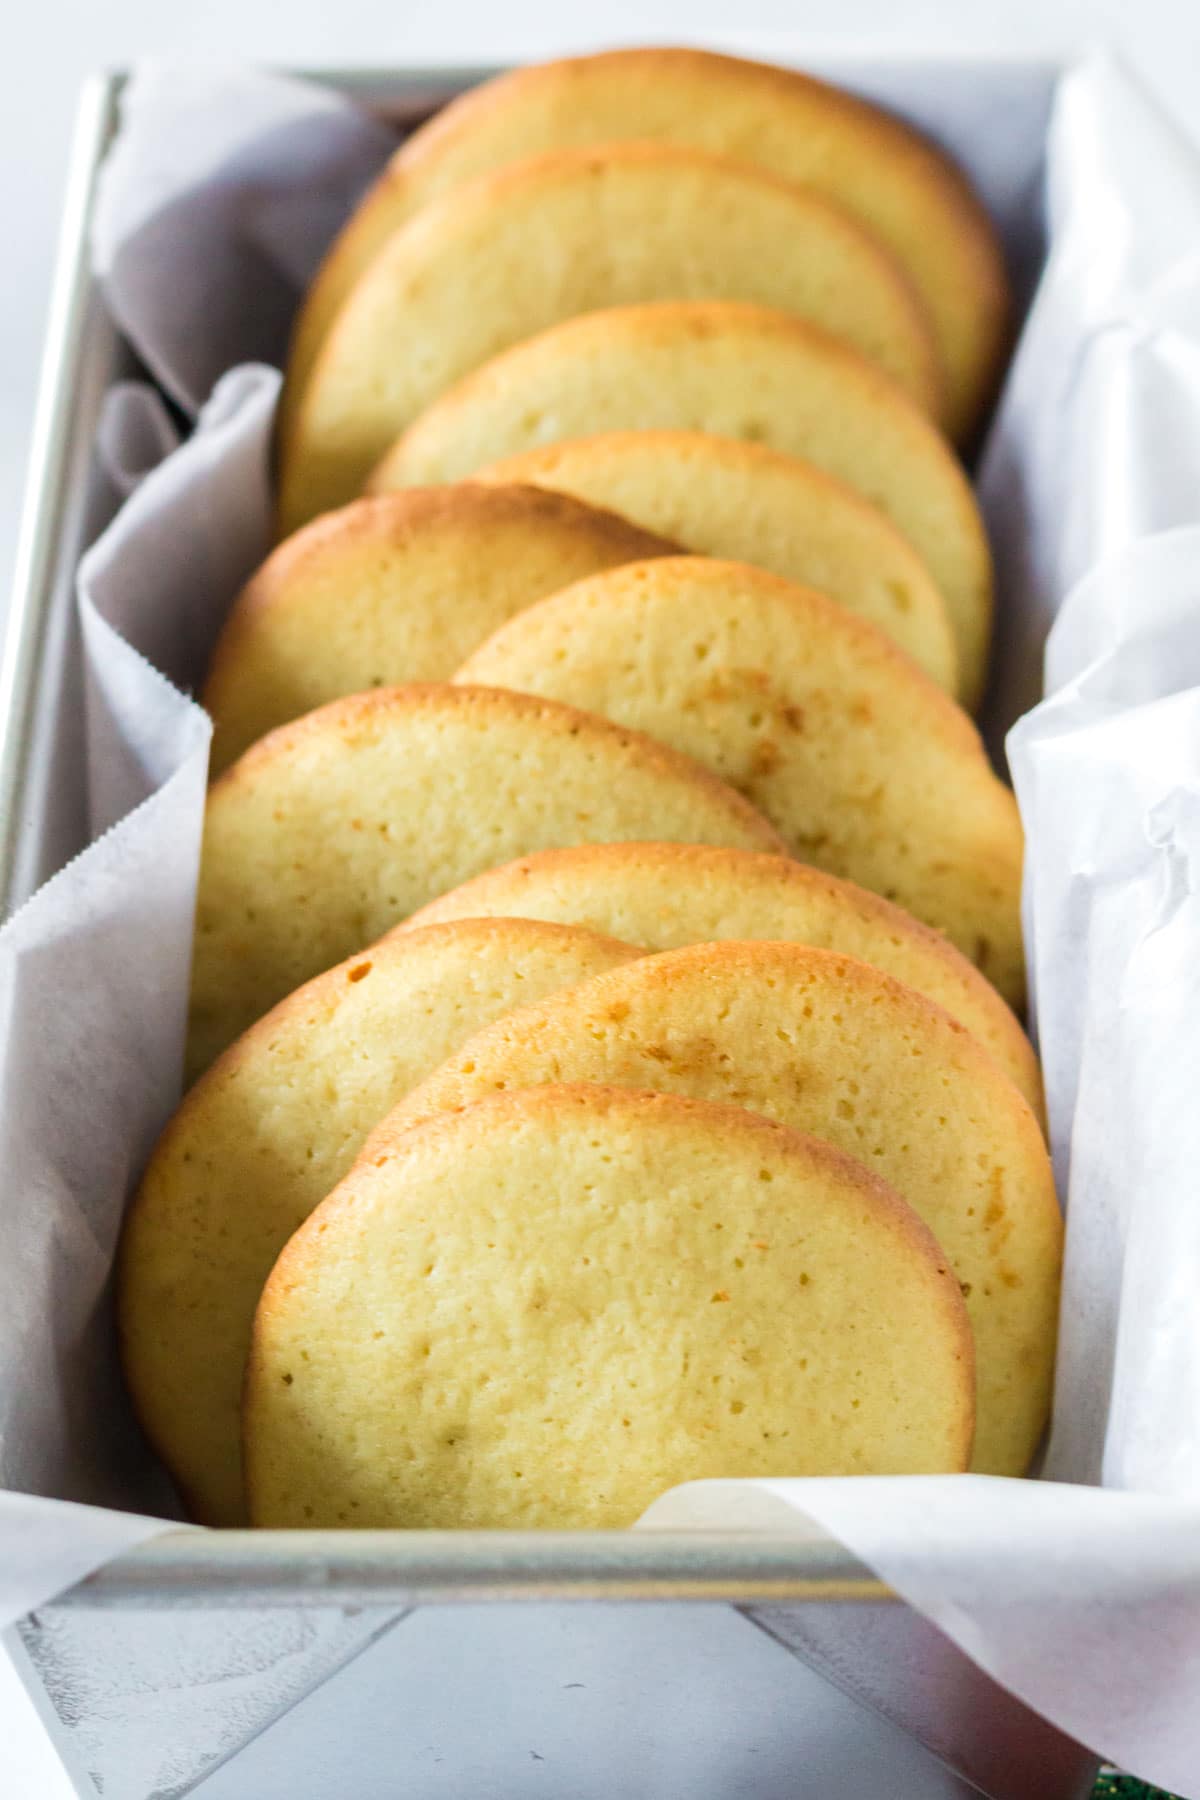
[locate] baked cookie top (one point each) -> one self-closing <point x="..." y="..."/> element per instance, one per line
<point x="871" y="162"/>
<point x="738" y="371"/>
<point x="863" y="766"/>
<point x="665" y="896"/>
<point x="329" y="831"/>
<point x="393" y="590"/>
<point x="547" y="1309"/>
<point x="828" y="1045"/>
<point x="513" y="252"/>
<point x="728" y="498"/>
<point x="264" y="1136"/>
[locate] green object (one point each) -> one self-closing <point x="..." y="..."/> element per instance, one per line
<point x="1111" y="1786"/>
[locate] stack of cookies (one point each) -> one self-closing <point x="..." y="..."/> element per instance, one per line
<point x="604" y="1047"/>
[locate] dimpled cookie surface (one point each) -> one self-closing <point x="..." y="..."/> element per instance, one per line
<point x="545" y="1311"/>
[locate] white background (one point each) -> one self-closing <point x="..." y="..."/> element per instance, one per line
<point x="56" y="42"/>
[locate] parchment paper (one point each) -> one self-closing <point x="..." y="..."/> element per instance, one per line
<point x="1083" y="1600"/>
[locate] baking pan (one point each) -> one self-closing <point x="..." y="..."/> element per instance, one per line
<point x="94" y="1658"/>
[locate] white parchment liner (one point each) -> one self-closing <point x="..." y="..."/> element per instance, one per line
<point x="1083" y="1600"/>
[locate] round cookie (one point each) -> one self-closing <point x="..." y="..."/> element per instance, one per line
<point x="667" y="895"/>
<point x="520" y="249"/>
<point x="263" y="1138"/>
<point x="864" y="767"/>
<point x="736" y="371"/>
<point x="543" y="1312"/>
<point x="723" y="497"/>
<point x="872" y="163"/>
<point x="828" y="1045"/>
<point x="332" y="829"/>
<point x="393" y="590"/>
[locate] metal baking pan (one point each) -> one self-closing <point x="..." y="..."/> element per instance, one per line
<point x="94" y="1658"/>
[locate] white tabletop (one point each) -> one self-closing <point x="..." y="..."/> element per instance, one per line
<point x="61" y="40"/>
